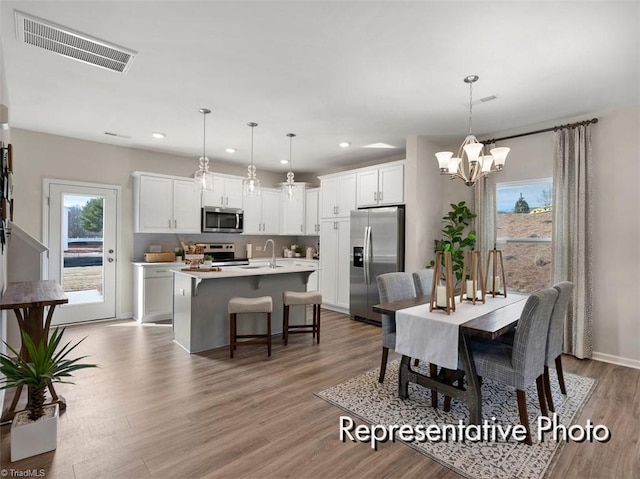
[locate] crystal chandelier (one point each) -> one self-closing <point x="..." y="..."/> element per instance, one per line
<point x="476" y="165"/>
<point x="251" y="184"/>
<point x="203" y="177"/>
<point x="290" y="187"/>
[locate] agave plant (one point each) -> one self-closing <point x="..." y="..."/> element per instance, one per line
<point x="47" y="364"/>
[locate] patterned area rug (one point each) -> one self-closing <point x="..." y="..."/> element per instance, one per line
<point x="378" y="404"/>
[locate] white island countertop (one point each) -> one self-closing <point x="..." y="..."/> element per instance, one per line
<point x="250" y="270"/>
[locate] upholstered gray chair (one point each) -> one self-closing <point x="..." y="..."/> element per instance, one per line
<point x="555" y="339"/>
<point x="423" y="279"/>
<point x="521" y="364"/>
<point x="392" y="287"/>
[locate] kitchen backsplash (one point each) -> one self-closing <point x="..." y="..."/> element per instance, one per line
<point x="142" y="241"/>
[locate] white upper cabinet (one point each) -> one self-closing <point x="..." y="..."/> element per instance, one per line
<point x="382" y="185"/>
<point x="165" y="204"/>
<point x="292" y="212"/>
<point x="227" y="192"/>
<point x="312" y="223"/>
<point x="262" y="213"/>
<point x="337" y="196"/>
<point x="186" y="207"/>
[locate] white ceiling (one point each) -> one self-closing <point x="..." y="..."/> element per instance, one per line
<point x="362" y="72"/>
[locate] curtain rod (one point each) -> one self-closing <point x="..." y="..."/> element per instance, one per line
<point x="553" y="128"/>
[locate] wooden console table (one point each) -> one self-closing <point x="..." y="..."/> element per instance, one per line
<point x="28" y="301"/>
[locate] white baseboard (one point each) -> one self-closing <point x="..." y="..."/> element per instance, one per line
<point x="609" y="358"/>
<point x="336" y="308"/>
<point x="124" y="316"/>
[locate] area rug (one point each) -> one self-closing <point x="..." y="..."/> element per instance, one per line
<point x="365" y="398"/>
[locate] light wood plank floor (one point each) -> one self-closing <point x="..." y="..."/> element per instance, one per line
<point x="152" y="410"/>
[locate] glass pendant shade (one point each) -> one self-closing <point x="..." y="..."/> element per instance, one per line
<point x="500" y="156"/>
<point x="203" y="177"/>
<point x="473" y="149"/>
<point x="487" y="161"/>
<point x="251" y="184"/>
<point x="290" y="187"/>
<point x="443" y="159"/>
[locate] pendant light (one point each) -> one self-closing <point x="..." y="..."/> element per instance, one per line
<point x="251" y="184"/>
<point x="203" y="177"/>
<point x="477" y="164"/>
<point x="290" y="187"/>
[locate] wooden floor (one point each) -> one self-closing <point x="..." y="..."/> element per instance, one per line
<point x="153" y="410"/>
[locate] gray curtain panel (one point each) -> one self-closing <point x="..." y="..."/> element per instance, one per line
<point x="572" y="233"/>
<point x="485" y="223"/>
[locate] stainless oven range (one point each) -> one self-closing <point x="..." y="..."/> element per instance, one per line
<point x="223" y="254"/>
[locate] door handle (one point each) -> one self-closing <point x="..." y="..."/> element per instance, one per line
<point x="365" y="253"/>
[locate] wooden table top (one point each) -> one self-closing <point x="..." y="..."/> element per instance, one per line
<point x="490" y="325"/>
<point x="29" y="294"/>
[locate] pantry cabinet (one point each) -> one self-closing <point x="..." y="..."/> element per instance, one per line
<point x="337" y="196"/>
<point x="165" y="204"/>
<point x="335" y="263"/>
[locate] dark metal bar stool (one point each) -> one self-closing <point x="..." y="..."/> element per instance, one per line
<point x="238" y="305"/>
<point x="292" y="298"/>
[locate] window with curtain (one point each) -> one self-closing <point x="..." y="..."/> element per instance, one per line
<point x="524" y="218"/>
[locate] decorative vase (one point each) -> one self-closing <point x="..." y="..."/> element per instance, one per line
<point x="30" y="438"/>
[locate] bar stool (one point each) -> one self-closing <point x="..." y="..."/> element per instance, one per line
<point x="239" y="305"/>
<point x="293" y="298"/>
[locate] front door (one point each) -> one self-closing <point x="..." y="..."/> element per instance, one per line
<point x="82" y="237"/>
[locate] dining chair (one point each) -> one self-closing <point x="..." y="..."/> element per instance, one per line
<point x="423" y="280"/>
<point x="555" y="339"/>
<point x="520" y="364"/>
<point x="392" y="287"/>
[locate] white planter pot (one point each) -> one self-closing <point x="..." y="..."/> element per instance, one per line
<point x="34" y="437"/>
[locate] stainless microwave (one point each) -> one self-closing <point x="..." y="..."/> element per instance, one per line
<point x="222" y="220"/>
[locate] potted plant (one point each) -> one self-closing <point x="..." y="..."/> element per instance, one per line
<point x="34" y="430"/>
<point x="208" y="260"/>
<point x="454" y="239"/>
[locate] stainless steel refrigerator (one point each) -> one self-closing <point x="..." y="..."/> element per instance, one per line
<point x="377" y="247"/>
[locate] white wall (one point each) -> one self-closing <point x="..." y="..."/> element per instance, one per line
<point x="616" y="221"/>
<point x="40" y="155"/>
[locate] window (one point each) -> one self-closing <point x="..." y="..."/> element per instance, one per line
<point x="523" y="230"/>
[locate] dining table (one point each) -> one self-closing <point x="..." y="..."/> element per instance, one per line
<point x="444" y="340"/>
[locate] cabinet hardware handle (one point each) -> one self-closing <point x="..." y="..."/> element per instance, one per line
<point x="175" y="224"/>
<point x="226" y="202"/>
<point x="300" y="228"/>
<point x="169" y="223"/>
<point x="110" y="260"/>
<point x="222" y="200"/>
<point x="375" y="196"/>
<point x="161" y="271"/>
<point x="379" y="195"/>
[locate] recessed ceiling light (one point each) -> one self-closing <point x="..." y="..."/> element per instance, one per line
<point x="230" y="150"/>
<point x="379" y="145"/>
<point x="157" y="135"/>
<point x="284" y="162"/>
<point x="344" y="144"/>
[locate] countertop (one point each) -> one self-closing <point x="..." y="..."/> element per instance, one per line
<point x="251" y="270"/>
<point x="177" y="265"/>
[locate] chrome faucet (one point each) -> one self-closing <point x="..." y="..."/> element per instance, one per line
<point x="272" y="261"/>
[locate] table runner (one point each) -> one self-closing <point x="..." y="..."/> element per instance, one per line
<point x="433" y="336"/>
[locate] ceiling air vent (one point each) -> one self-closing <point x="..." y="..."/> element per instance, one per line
<point x="66" y="42"/>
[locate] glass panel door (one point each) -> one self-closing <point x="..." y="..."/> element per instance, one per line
<point x="82" y="237"/>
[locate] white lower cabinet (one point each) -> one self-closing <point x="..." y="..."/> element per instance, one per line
<point x="334" y="263"/>
<point x="153" y="293"/>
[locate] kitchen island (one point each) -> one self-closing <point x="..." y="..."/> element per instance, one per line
<point x="200" y="317"/>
